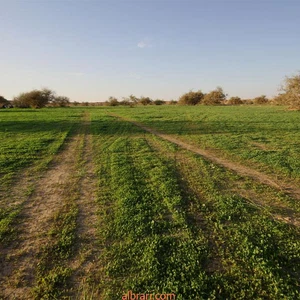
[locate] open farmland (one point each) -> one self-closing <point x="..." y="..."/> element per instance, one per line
<point x="201" y="202"/>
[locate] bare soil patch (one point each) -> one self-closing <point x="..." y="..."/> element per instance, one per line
<point x="84" y="263"/>
<point x="19" y="260"/>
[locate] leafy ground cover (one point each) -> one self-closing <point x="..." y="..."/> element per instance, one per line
<point x="169" y="229"/>
<point x="169" y="221"/>
<point x="266" y="138"/>
<point x="29" y="138"/>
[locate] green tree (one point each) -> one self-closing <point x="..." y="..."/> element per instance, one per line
<point x="191" y="98"/>
<point x="215" y="97"/>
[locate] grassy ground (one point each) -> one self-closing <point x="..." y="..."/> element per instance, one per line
<point x="152" y="217"/>
<point x="267" y="138"/>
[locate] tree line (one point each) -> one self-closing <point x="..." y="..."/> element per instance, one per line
<point x="289" y="95"/>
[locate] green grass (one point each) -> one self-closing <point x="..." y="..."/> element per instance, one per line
<point x="267" y="138"/>
<point x="29" y="136"/>
<point x="151" y="235"/>
<point x="169" y="220"/>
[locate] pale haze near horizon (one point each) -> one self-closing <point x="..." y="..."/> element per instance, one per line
<point x="90" y="50"/>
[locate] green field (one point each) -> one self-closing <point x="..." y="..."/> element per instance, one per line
<point x="94" y="206"/>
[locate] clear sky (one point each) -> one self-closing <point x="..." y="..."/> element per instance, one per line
<point x="90" y="50"/>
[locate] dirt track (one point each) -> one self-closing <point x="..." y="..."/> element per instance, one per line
<point x="238" y="168"/>
<point x="19" y="259"/>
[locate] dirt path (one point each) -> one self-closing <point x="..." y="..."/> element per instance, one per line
<point x="267" y="201"/>
<point x="84" y="262"/>
<point x="238" y="168"/>
<point x="18" y="263"/>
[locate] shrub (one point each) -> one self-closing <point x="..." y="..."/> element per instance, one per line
<point x="235" y="101"/>
<point x="145" y="101"/>
<point x="159" y="102"/>
<point x="34" y="99"/>
<point x="112" y="101"/>
<point x="261" y="100"/>
<point x="215" y="97"/>
<point x="291" y="92"/>
<point x="60" y="101"/>
<point x="191" y="98"/>
<point x="3" y="101"/>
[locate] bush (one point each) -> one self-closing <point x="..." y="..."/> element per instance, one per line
<point x="112" y="101"/>
<point x="3" y="101"/>
<point x="172" y="102"/>
<point x="39" y="99"/>
<point x="145" y="101"/>
<point x="291" y="92"/>
<point x="60" y="101"/>
<point x="34" y="99"/>
<point x="159" y="102"/>
<point x="215" y="97"/>
<point x="235" y="101"/>
<point x="261" y="100"/>
<point x="191" y="98"/>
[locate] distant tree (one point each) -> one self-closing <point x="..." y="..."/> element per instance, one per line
<point x="126" y="102"/>
<point x="261" y="100"/>
<point x="130" y="101"/>
<point x="34" y="98"/>
<point x="215" y="97"/>
<point x="133" y="99"/>
<point x="60" y="101"/>
<point x="145" y="100"/>
<point x="191" y="98"/>
<point x="247" y="101"/>
<point x="235" y="101"/>
<point x="159" y="102"/>
<point x="112" y="101"/>
<point x="3" y="101"/>
<point x="172" y="102"/>
<point x="291" y="92"/>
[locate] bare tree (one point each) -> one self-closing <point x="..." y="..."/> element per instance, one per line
<point x="291" y="91"/>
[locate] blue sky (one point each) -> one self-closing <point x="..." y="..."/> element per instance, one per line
<point x="90" y="50"/>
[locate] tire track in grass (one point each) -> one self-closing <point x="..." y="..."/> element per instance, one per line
<point x="19" y="261"/>
<point x="16" y="194"/>
<point x="240" y="169"/>
<point x="279" y="207"/>
<point x="254" y="252"/>
<point x="246" y="245"/>
<point x="147" y="243"/>
<point x="86" y="245"/>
